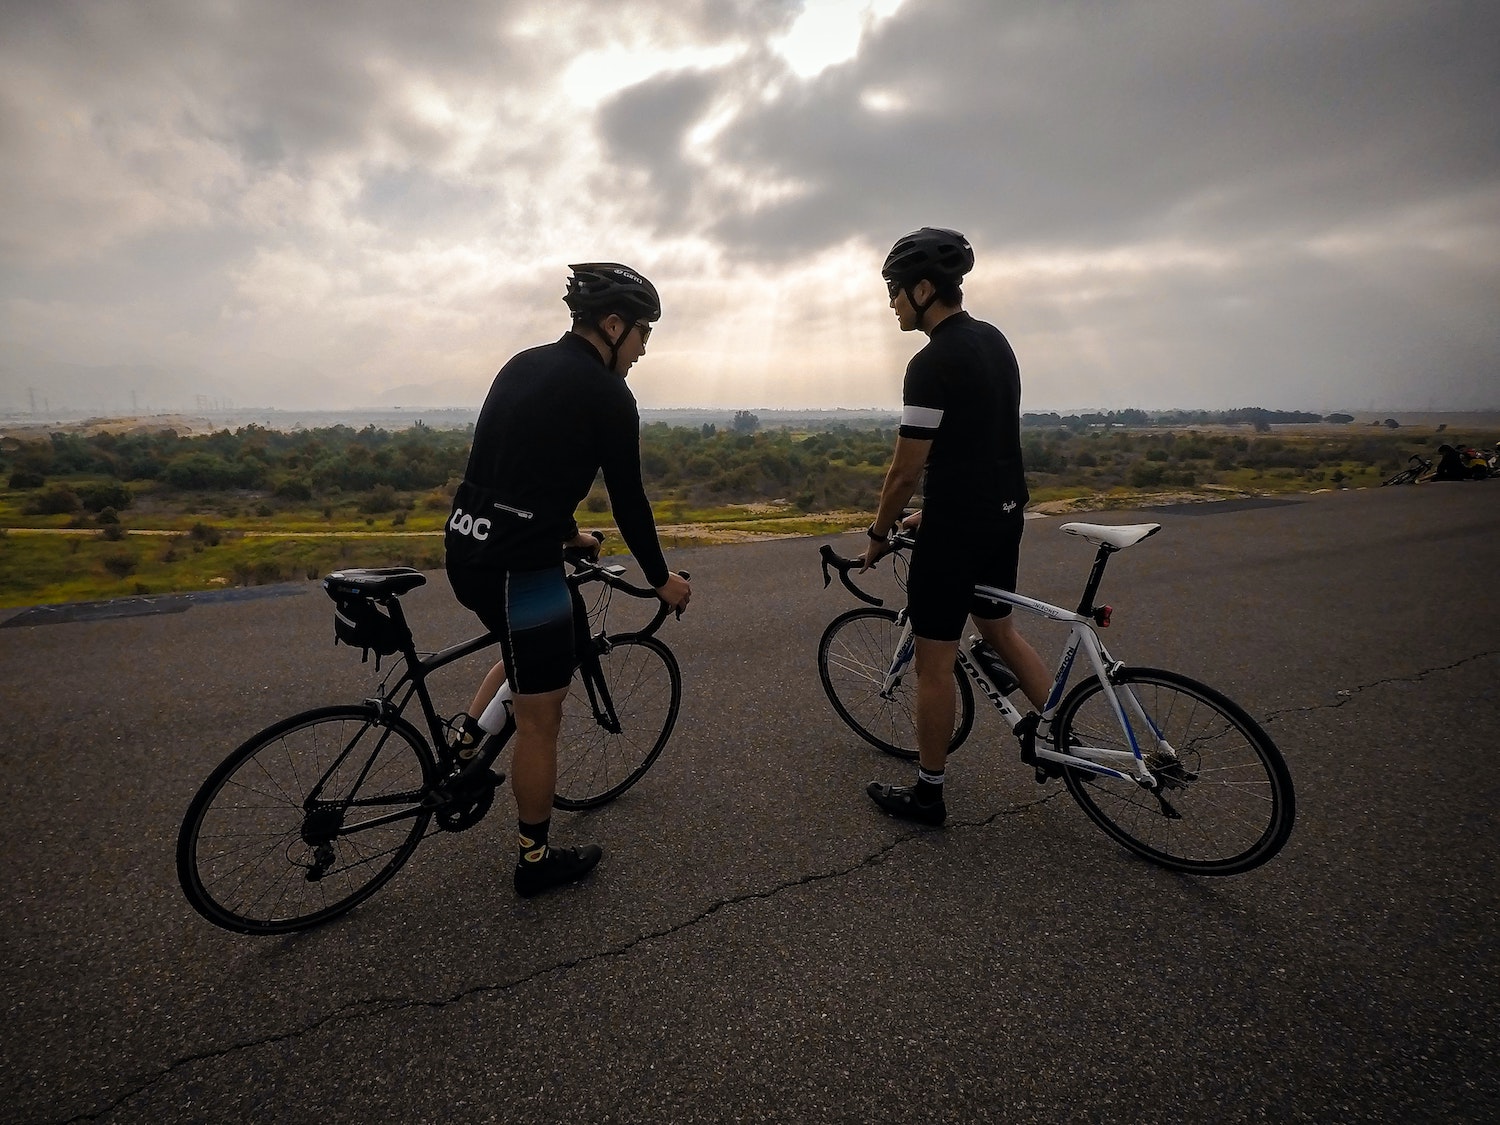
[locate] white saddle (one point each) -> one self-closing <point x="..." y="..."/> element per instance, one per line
<point x="1114" y="536"/>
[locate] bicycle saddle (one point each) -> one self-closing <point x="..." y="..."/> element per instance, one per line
<point x="375" y="582"/>
<point x="1117" y="536"/>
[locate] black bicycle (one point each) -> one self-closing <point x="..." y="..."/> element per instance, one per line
<point x="314" y="814"/>
<point x="1416" y="466"/>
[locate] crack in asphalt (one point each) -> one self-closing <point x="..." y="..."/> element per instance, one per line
<point x="1347" y="695"/>
<point x="378" y="1006"/>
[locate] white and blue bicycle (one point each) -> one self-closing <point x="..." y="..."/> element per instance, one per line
<point x="1169" y="767"/>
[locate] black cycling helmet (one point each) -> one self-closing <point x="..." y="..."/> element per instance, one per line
<point x="597" y="289"/>
<point x="932" y="253"/>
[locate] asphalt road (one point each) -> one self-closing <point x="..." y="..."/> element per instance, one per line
<point x="759" y="943"/>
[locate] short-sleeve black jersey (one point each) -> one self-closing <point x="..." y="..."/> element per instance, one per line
<point x="555" y="415"/>
<point x="963" y="393"/>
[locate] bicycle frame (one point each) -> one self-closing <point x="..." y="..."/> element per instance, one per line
<point x="1082" y="635"/>
<point x="391" y="703"/>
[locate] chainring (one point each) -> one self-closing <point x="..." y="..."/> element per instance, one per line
<point x="470" y="804"/>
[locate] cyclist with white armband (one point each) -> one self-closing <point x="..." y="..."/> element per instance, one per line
<point x="960" y="437"/>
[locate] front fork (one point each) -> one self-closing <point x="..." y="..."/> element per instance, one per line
<point x="901" y="661"/>
<point x="598" y="691"/>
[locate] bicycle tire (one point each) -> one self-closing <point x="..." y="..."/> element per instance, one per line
<point x="255" y="858"/>
<point x="1232" y="794"/>
<point x="854" y="655"/>
<point x="596" y="765"/>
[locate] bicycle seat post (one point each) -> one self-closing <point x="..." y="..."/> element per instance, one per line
<point x="1096" y="576"/>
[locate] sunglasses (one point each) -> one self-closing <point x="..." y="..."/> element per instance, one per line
<point x="645" y="330"/>
<point x="892" y="288"/>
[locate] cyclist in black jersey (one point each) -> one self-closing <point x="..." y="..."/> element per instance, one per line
<point x="555" y="415"/>
<point x="961" y="431"/>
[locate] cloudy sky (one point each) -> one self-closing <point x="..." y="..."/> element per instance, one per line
<point x="331" y="203"/>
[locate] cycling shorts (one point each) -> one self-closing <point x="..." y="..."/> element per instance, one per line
<point x="541" y="621"/>
<point x="946" y="565"/>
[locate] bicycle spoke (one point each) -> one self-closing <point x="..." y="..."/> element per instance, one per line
<point x="261" y="853"/>
<point x="1228" y="806"/>
<point x="594" y="764"/>
<point x="854" y="661"/>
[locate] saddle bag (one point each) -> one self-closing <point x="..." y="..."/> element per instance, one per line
<point x="360" y="623"/>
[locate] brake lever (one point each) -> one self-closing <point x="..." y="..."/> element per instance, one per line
<point x="843" y="566"/>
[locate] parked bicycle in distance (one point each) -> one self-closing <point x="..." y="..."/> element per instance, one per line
<point x="313" y="815"/>
<point x="1167" y="766"/>
<point x="1416" y="467"/>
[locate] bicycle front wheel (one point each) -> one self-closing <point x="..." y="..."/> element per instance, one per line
<point x="599" y="756"/>
<point x="305" y="821"/>
<point x="853" y="658"/>
<point x="1225" y="803"/>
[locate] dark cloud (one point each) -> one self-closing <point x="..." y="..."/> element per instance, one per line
<point x="1174" y="202"/>
<point x="279" y="81"/>
<point x="645" y="128"/>
<point x="1046" y="122"/>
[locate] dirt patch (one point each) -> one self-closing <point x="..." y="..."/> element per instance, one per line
<point x="1203" y="494"/>
<point x="179" y="423"/>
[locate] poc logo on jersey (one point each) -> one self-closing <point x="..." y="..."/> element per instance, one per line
<point x="465" y="524"/>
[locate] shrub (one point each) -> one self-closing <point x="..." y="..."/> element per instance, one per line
<point x="97" y="497"/>
<point x="262" y="572"/>
<point x="54" y="501"/>
<point x="1146" y="474"/>
<point x="120" y="564"/>
<point x="26" y="478"/>
<point x="293" y="488"/>
<point x="381" y="498"/>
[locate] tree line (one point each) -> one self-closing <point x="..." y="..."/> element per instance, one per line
<point x="841" y="467"/>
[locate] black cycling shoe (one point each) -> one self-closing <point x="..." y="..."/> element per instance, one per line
<point x="901" y="801"/>
<point x="557" y="868"/>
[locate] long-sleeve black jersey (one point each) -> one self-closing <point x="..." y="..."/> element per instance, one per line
<point x="554" y="417"/>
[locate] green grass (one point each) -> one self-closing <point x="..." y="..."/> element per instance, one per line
<point x="47" y="569"/>
<point x="238" y="538"/>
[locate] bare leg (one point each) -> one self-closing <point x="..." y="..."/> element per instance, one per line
<point x="487" y="689"/>
<point x="935" y="704"/>
<point x="1019" y="657"/>
<point x="534" y="763"/>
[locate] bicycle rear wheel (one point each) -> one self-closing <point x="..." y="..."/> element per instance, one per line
<point x="853" y="658"/>
<point x="595" y="763"/>
<point x="306" y="820"/>
<point x="1226" y="803"/>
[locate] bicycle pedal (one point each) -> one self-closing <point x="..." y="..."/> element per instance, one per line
<point x="461" y="788"/>
<point x="1025" y="730"/>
